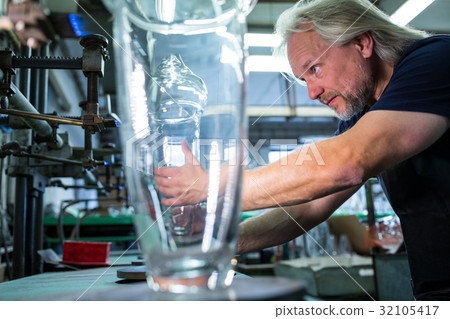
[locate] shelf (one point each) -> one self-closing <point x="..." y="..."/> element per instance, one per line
<point x="91" y="221"/>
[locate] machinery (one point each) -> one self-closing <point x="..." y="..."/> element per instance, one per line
<point x="34" y="150"/>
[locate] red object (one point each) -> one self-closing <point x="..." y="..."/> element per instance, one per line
<point x="84" y="253"/>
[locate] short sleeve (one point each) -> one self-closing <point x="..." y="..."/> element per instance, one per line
<point x="344" y="126"/>
<point x="421" y="80"/>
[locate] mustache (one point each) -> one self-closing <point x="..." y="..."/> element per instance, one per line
<point x="326" y="97"/>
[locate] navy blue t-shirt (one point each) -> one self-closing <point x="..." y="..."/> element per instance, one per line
<point x="419" y="188"/>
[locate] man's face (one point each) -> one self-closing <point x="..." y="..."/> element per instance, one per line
<point x="339" y="77"/>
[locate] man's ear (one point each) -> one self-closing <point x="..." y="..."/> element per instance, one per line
<point x="364" y="43"/>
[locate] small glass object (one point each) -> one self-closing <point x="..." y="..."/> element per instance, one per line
<point x="178" y="99"/>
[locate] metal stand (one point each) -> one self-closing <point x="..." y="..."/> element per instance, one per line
<point x="28" y="110"/>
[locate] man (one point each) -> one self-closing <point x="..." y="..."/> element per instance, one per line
<point x="390" y="87"/>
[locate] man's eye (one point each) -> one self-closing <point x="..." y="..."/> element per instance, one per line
<point x="315" y="68"/>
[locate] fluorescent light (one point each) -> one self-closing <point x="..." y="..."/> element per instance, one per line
<point x="267" y="63"/>
<point x="165" y="11"/>
<point x="409" y="10"/>
<point x="264" y="63"/>
<point x="284" y="110"/>
<point x="268" y="40"/>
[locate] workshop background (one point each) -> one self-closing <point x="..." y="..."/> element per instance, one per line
<point x="60" y="182"/>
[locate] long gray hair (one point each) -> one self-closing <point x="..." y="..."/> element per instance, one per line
<point x="340" y="21"/>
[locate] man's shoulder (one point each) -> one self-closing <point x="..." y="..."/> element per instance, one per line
<point x="436" y="44"/>
<point x="419" y="82"/>
<point x="434" y="39"/>
<point x="440" y="39"/>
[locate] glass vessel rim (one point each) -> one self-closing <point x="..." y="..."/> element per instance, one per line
<point x="185" y="27"/>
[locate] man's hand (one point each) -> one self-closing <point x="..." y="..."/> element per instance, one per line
<point x="185" y="185"/>
<point x="188" y="220"/>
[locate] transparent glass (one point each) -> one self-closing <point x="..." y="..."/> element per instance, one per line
<point x="180" y="80"/>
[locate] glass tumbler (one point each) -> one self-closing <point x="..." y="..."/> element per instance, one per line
<point x="181" y="85"/>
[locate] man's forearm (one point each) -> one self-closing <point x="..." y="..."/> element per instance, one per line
<point x="264" y="231"/>
<point x="294" y="180"/>
<point x="280" y="225"/>
<point x="277" y="226"/>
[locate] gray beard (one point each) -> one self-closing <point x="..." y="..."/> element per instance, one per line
<point x="355" y="105"/>
<point x="357" y="102"/>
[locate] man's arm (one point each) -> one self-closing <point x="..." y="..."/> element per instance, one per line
<point x="281" y="225"/>
<point x="379" y="140"/>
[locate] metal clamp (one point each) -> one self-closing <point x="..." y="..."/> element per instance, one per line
<point x="94" y="54"/>
<point x="6" y="57"/>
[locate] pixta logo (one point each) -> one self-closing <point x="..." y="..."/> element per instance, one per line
<point x="142" y="149"/>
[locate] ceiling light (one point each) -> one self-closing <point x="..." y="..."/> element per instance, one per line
<point x="269" y="40"/>
<point x="267" y="63"/>
<point x="409" y="10"/>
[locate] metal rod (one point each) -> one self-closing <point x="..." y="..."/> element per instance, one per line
<point x="34" y="85"/>
<point x="78" y="186"/>
<point x="47" y="63"/>
<point x="50" y="118"/>
<point x="54" y="159"/>
<point x="30" y="229"/>
<point x="19" y="228"/>
<point x="4" y="227"/>
<point x="369" y="203"/>
<point x="49" y="158"/>
<point x="43" y="81"/>
<point x="5" y="245"/>
<point x="18" y="101"/>
<point x="371" y="218"/>
<point x="92" y="91"/>
<point x="20" y="204"/>
<point x="88" y="152"/>
<point x="24" y="81"/>
<point x="39" y="233"/>
<point x="99" y="151"/>
<point x="30" y="226"/>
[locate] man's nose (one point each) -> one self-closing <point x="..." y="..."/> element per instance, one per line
<point x="314" y="90"/>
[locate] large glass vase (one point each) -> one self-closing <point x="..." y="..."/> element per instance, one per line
<point x="181" y="88"/>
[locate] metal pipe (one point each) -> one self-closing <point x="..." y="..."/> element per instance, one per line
<point x="56" y="119"/>
<point x="18" y="101"/>
<point x="34" y="84"/>
<point x="92" y="93"/>
<point x="44" y="117"/>
<point x="19" y="228"/>
<point x="39" y="233"/>
<point x="42" y="128"/>
<point x="88" y="152"/>
<point x="370" y="206"/>
<point x="24" y="80"/>
<point x="77" y="187"/>
<point x="30" y="227"/>
<point x="5" y="246"/>
<point x="43" y="81"/>
<point x="53" y="159"/>
<point x="20" y="204"/>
